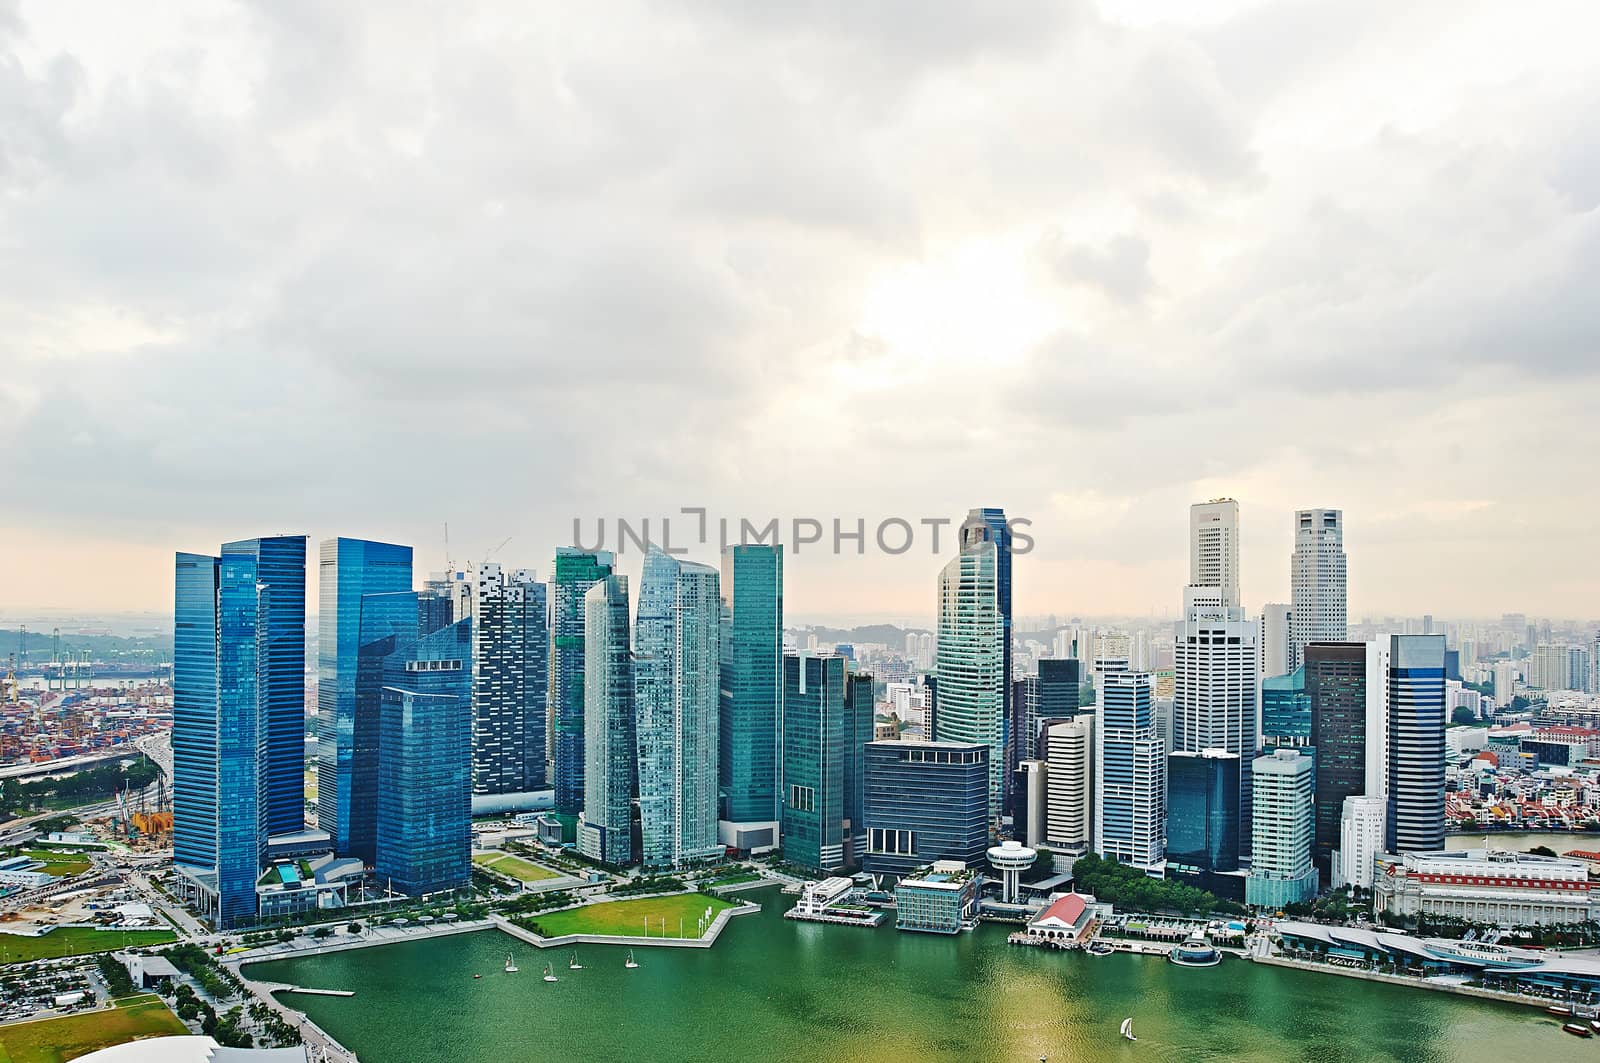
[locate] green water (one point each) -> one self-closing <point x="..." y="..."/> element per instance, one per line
<point x="775" y="990"/>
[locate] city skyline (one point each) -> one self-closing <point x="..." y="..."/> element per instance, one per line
<point x="214" y="267"/>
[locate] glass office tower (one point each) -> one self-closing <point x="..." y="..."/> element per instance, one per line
<point x="575" y="572"/>
<point x="677" y="677"/>
<point x="424" y="817"/>
<point x="925" y="801"/>
<point x="972" y="682"/>
<point x="1203" y="811"/>
<point x="989" y="525"/>
<point x="1285" y="709"/>
<point x="1336" y="686"/>
<point x="605" y="833"/>
<point x="1416" y="743"/>
<point x="366" y="609"/>
<point x="815" y="744"/>
<point x="751" y="695"/>
<point x="1130" y="773"/>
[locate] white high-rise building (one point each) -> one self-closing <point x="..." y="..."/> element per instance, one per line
<point x="1281" y="871"/>
<point x="970" y="699"/>
<point x="1130" y="795"/>
<point x="1549" y="667"/>
<point x="1505" y="683"/>
<point x="1276" y="618"/>
<point x="1069" y="785"/>
<point x="1361" y="825"/>
<point x="1317" y="582"/>
<point x="1214" y="547"/>
<point x="1216" y="687"/>
<point x="1032" y="795"/>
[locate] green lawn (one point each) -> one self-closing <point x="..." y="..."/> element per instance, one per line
<point x="515" y="866"/>
<point x="57" y="1040"/>
<point x="627" y="918"/>
<point x="59" y="863"/>
<point x="76" y="941"/>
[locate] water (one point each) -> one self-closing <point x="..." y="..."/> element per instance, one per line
<point x="775" y="990"/>
<point x="1561" y="842"/>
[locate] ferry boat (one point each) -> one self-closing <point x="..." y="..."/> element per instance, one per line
<point x="1195" y="952"/>
<point x="1578" y="1029"/>
<point x="1557" y="1009"/>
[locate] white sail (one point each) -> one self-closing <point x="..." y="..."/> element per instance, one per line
<point x="1127" y="1028"/>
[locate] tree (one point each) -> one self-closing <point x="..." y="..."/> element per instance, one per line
<point x="354" y="928"/>
<point x="321" y="932"/>
<point x="1463" y="716"/>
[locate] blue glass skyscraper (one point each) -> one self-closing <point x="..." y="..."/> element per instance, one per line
<point x="1286" y="709"/>
<point x="752" y="694"/>
<point x="424" y="817"/>
<point x="815" y="744"/>
<point x="219" y="741"/>
<point x="575" y="572"/>
<point x="610" y="778"/>
<point x="367" y="611"/>
<point x="1416" y="743"/>
<point x="281" y="564"/>
<point x="1203" y="811"/>
<point x="989" y="525"/>
<point x="1130" y="773"/>
<point x="925" y="801"/>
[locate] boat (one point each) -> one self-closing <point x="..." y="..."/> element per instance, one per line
<point x="1557" y="1009"/>
<point x="1577" y="1029"/>
<point x="1127" y="1028"/>
<point x="477" y="976"/>
<point x="548" y="977"/>
<point x="511" y="965"/>
<point x="1100" y="948"/>
<point x="630" y="964"/>
<point x="1594" y="1025"/>
<point x="573" y="964"/>
<point x="1195" y="952"/>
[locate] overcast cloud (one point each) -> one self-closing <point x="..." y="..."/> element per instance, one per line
<point x="365" y="268"/>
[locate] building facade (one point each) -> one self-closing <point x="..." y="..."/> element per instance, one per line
<point x="1130" y="773"/>
<point x="1214" y="548"/>
<point x="511" y="677"/>
<point x="925" y="801"/>
<point x="751" y="695"/>
<point x="988" y="525"/>
<point x="1336" y="685"/>
<point x="1215" y="688"/>
<point x="1317" y="581"/>
<point x="605" y="832"/>
<point x="941" y="899"/>
<point x="1485" y="886"/>
<point x="816" y="737"/>
<point x="972" y="683"/>
<point x="1281" y="871"/>
<point x="1415" y="784"/>
<point x="1069" y="785"/>
<point x="575" y="572"/>
<point x="1203" y="811"/>
<point x="1360" y="841"/>
<point x="1285" y="710"/>
<point x="677" y="679"/>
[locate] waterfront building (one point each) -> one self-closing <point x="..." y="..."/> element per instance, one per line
<point x="973" y="685"/>
<point x="219" y="756"/>
<point x="1069" y="785"/>
<point x="575" y="572"/>
<point x="1285" y="709"/>
<point x="751" y="704"/>
<point x="605" y="831"/>
<point x="1347" y="716"/>
<point x="1070" y="919"/>
<point x="989" y="525"/>
<point x="1030" y="802"/>
<point x="1416" y="723"/>
<point x="1010" y="859"/>
<point x="1130" y="773"/>
<point x="511" y="669"/>
<point x="366" y="607"/>
<point x="1317" y="581"/>
<point x="677" y="678"/>
<point x="1276" y="621"/>
<point x="1216" y="686"/>
<point x="1361" y="839"/>
<point x="424" y="813"/>
<point x="1281" y="871"/>
<point x="1203" y="811"/>
<point x="816" y="737"/>
<point x="281" y="565"/>
<point x="925" y="801"/>
<point x="938" y="899"/>
<point x="1485" y="886"/>
<point x="1214" y="548"/>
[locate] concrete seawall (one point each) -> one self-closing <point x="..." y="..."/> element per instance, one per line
<point x="1404" y="980"/>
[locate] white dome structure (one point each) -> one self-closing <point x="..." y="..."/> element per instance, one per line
<point x="1011" y="859"/>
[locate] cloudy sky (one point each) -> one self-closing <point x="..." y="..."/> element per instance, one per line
<point x="368" y="268"/>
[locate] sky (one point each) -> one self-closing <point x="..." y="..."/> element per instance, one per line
<point x="375" y="268"/>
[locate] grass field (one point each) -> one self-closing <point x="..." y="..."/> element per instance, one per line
<point x="76" y="941"/>
<point x="59" y="863"/>
<point x="627" y="918"/>
<point x="57" y="1040"/>
<point x="514" y="866"/>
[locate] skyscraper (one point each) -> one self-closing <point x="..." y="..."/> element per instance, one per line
<point x="1069" y="785"/>
<point x="575" y="572"/>
<point x="1285" y="710"/>
<point x="1336" y="680"/>
<point x="972" y="680"/>
<point x="988" y="525"/>
<point x="1416" y="743"/>
<point x="1276" y="621"/>
<point x="1050" y="694"/>
<point x="1214" y="548"/>
<point x="1317" y="581"/>
<point x="424" y="815"/>
<point x="1130" y="772"/>
<point x="605" y="832"/>
<point x="1216" y="686"/>
<point x="510" y="686"/>
<point x="1203" y="811"/>
<point x="366" y="610"/>
<point x="1280" y="864"/>
<point x="751" y="695"/>
<point x="816" y="739"/>
<point x="860" y="705"/>
<point x="281" y="564"/>
<point x="219" y="732"/>
<point x="925" y="801"/>
<point x="677" y="673"/>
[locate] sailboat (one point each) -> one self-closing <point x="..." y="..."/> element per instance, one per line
<point x="573" y="964"/>
<point x="511" y="965"/>
<point x="548" y="977"/>
<point x="1127" y="1028"/>
<point x="630" y="964"/>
